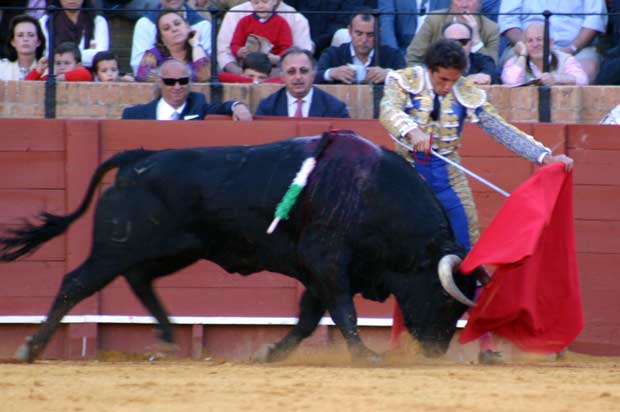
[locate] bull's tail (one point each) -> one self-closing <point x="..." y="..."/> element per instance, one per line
<point x="29" y="237"/>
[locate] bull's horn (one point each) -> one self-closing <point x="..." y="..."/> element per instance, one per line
<point x="445" y="268"/>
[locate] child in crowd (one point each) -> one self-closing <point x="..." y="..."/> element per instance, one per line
<point x="263" y="22"/>
<point x="256" y="69"/>
<point x="105" y="68"/>
<point x="67" y="65"/>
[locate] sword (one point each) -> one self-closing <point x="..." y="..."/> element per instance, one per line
<point x="458" y="166"/>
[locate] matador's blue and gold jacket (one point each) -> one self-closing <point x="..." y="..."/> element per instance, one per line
<point x="408" y="101"/>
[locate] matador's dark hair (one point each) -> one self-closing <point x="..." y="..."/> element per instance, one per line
<point x="447" y="54"/>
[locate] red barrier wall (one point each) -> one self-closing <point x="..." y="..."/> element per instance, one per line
<point x="46" y="165"/>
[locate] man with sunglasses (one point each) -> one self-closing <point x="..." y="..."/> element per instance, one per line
<point x="485" y="36"/>
<point x="177" y="102"/>
<point x="481" y="69"/>
<point x="299" y="98"/>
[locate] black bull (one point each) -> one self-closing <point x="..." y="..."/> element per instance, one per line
<point x="365" y="223"/>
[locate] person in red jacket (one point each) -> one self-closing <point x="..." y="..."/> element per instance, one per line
<point x="263" y="22"/>
<point x="67" y="65"/>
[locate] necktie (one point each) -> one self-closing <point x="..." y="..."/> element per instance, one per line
<point x="175" y="115"/>
<point x="298" y="112"/>
<point x="436" y="108"/>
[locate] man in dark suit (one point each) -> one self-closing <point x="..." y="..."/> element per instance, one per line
<point x="324" y="25"/>
<point x="355" y="61"/>
<point x="178" y="103"/>
<point x="299" y="98"/>
<point x="481" y="69"/>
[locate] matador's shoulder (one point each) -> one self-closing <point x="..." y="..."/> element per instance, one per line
<point x="468" y="94"/>
<point x="411" y="78"/>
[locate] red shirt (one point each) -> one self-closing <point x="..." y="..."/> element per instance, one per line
<point x="275" y="29"/>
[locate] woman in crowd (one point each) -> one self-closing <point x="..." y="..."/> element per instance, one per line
<point x="79" y="25"/>
<point x="527" y="63"/>
<point x="175" y="40"/>
<point x="24" y="48"/>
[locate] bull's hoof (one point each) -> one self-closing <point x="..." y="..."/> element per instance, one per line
<point x="368" y="358"/>
<point x="162" y="351"/>
<point x="24" y="354"/>
<point x="265" y="354"/>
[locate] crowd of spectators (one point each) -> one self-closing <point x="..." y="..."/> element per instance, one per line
<point x="325" y="41"/>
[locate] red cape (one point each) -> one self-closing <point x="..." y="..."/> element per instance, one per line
<point x="533" y="299"/>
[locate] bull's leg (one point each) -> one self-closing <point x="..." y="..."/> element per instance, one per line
<point x="327" y="259"/>
<point x="92" y="276"/>
<point x="141" y="276"/>
<point x="344" y="316"/>
<point x="142" y="287"/>
<point x="310" y="312"/>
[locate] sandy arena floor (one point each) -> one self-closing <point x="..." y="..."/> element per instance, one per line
<point x="575" y="383"/>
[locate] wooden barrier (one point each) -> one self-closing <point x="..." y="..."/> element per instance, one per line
<point x="46" y="165"/>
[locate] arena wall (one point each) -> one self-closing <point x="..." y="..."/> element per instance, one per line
<point x="46" y="165"/>
<point x="89" y="100"/>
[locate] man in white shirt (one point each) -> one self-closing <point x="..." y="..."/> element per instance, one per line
<point x="145" y="30"/>
<point x="177" y="102"/>
<point x="298" y="23"/>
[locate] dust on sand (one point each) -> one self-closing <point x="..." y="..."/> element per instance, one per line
<point x="312" y="382"/>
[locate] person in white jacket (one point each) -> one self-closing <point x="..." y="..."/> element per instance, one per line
<point x="79" y="25"/>
<point x="145" y="30"/>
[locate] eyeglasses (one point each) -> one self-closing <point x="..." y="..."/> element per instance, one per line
<point x="171" y="82"/>
<point x="462" y="41"/>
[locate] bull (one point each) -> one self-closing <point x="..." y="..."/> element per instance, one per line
<point x="365" y="223"/>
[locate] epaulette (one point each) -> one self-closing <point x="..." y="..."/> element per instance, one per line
<point x="468" y="94"/>
<point x="411" y="79"/>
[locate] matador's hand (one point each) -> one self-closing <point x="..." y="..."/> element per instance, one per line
<point x="420" y="141"/>
<point x="568" y="162"/>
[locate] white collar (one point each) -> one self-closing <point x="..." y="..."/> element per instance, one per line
<point x="354" y="56"/>
<point x="164" y="110"/>
<point x="290" y="99"/>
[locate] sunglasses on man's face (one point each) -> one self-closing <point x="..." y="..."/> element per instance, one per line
<point x="463" y="41"/>
<point x="171" y="82"/>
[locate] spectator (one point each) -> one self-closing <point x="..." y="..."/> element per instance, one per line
<point x="36" y="8"/>
<point x="263" y="22"/>
<point x="527" y="65"/>
<point x="79" y="25"/>
<point x="105" y="68"/>
<point x="67" y="65"/>
<point x="481" y="69"/>
<point x="298" y="98"/>
<point x="354" y="62"/>
<point x="574" y="34"/>
<point x="176" y="102"/>
<point x="610" y="68"/>
<point x="13" y="8"/>
<point x="336" y="15"/>
<point x="399" y="23"/>
<point x="145" y="30"/>
<point x="485" y="37"/>
<point x="130" y="9"/>
<point x="298" y="24"/>
<point x="24" y="48"/>
<point x="175" y="40"/>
